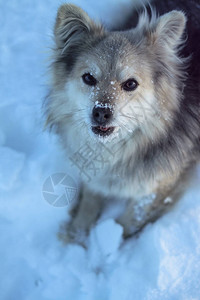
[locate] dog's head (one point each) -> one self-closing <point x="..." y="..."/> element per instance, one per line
<point x="115" y="84"/>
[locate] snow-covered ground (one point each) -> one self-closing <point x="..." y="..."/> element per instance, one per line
<point x="162" y="263"/>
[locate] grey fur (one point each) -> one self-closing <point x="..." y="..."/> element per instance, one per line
<point x="157" y="157"/>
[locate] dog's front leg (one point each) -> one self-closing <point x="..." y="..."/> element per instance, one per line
<point x="83" y="217"/>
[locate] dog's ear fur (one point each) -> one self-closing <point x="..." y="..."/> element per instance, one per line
<point x="170" y="28"/>
<point x="167" y="30"/>
<point x="73" y="26"/>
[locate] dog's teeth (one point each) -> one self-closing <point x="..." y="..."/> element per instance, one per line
<point x="104" y="128"/>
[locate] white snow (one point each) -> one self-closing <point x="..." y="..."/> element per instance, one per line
<point x="162" y="263"/>
<point x="107" y="235"/>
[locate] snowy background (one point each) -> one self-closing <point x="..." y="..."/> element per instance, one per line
<point x="162" y="263"/>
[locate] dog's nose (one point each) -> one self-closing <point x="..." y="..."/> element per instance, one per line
<point x="102" y="115"/>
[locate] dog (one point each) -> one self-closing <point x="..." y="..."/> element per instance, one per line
<point x="126" y="106"/>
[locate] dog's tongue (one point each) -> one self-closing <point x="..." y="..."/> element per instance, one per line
<point x="103" y="128"/>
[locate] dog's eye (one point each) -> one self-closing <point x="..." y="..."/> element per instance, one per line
<point x="130" y="85"/>
<point x="89" y="79"/>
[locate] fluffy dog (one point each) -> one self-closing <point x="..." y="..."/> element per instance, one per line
<point x="126" y="107"/>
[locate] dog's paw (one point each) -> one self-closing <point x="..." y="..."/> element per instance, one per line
<point x="69" y="234"/>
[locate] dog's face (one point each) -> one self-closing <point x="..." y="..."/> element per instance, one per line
<point x="114" y="85"/>
<point x="112" y="93"/>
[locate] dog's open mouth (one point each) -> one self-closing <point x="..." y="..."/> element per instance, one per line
<point x="102" y="131"/>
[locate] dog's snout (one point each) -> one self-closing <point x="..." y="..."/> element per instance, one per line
<point x="102" y="115"/>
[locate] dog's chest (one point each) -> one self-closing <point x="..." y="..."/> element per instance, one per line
<point x="125" y="186"/>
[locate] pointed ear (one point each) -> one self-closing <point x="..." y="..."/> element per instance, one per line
<point x="170" y="28"/>
<point x="73" y="26"/>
